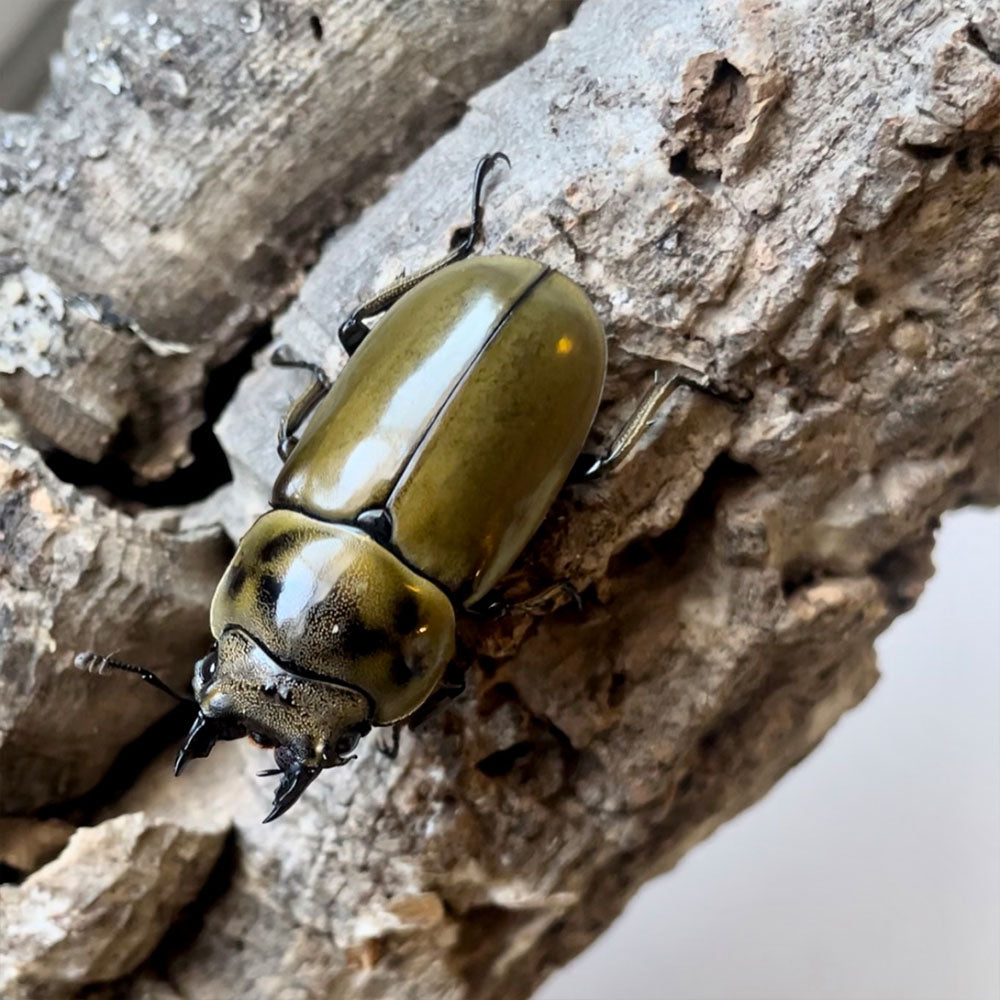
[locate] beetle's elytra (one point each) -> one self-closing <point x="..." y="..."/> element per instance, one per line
<point x="419" y="477"/>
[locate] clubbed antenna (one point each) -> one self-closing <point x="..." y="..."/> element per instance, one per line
<point x="94" y="663"/>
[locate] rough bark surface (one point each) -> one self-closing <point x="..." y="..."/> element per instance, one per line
<point x="800" y="199"/>
<point x="77" y="575"/>
<point x="116" y="889"/>
<point x="189" y="157"/>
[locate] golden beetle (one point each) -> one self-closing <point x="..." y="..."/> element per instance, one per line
<point x="420" y="475"/>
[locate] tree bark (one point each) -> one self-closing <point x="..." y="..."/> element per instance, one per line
<point x="801" y="202"/>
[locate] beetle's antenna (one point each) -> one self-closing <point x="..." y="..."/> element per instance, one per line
<point x="95" y="663"/>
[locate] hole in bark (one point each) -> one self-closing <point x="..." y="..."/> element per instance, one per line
<point x="901" y="571"/>
<point x="975" y="38"/>
<point x="616" y="690"/>
<point x="209" y="468"/>
<point x="726" y="102"/>
<point x="502" y="762"/>
<point x="925" y="151"/>
<point x="709" y="740"/>
<point x="9" y="875"/>
<point x="681" y="165"/>
<point x="317" y="27"/>
<point x="963" y="159"/>
<point x="796" y="577"/>
<point x="865" y="296"/>
<point x="496" y="696"/>
<point x="991" y="158"/>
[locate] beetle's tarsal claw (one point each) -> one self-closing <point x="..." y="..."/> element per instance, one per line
<point x="199" y="741"/>
<point x="297" y="778"/>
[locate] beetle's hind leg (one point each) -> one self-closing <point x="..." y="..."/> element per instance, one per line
<point x="463" y="241"/>
<point x="589" y="466"/>
<point x="301" y="407"/>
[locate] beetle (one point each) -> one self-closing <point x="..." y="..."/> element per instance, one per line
<point x="409" y="487"/>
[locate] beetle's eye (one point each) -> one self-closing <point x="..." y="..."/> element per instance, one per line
<point x="206" y="667"/>
<point x="264" y="742"/>
<point x="346" y="742"/>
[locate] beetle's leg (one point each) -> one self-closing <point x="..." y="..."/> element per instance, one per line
<point x="463" y="241"/>
<point x="538" y="604"/>
<point x="451" y="686"/>
<point x="589" y="466"/>
<point x="296" y="414"/>
<point x="391" y="749"/>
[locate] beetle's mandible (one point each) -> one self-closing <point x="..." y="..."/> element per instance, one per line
<point x="419" y="476"/>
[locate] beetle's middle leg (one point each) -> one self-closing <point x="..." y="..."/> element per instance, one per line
<point x="589" y="466"/>
<point x="301" y="407"/>
<point x="463" y="241"/>
<point x="541" y="603"/>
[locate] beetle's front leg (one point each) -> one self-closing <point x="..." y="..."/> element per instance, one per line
<point x="390" y="748"/>
<point x="353" y="331"/>
<point x="301" y="407"/>
<point x="590" y="466"/>
<point x="451" y="686"/>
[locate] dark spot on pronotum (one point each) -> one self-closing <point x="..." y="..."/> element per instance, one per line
<point x="400" y="673"/>
<point x="501" y="763"/>
<point x="237" y="577"/>
<point x="277" y="546"/>
<point x="358" y="640"/>
<point x="317" y="27"/>
<point x="268" y="591"/>
<point x="407" y="614"/>
<point x="865" y="295"/>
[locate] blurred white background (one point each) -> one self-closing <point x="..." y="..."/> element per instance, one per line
<point x="872" y="870"/>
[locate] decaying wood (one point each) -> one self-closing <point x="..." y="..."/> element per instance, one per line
<point x="802" y="202"/>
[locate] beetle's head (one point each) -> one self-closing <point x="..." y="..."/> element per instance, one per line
<point x="310" y="722"/>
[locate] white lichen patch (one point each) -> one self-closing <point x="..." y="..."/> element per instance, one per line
<point x="31" y="323"/>
<point x="108" y="74"/>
